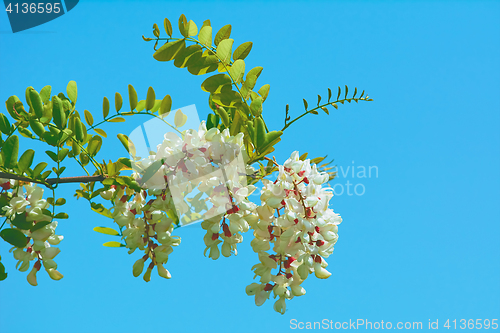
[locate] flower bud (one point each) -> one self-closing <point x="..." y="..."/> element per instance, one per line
<point x="261" y="297"/>
<point x="32" y="277"/>
<point x="303" y="271"/>
<point x="163" y="272"/>
<point x="147" y="275"/>
<point x="251" y="289"/>
<point x="280" y="305"/>
<point x="320" y="272"/>
<point x="297" y="290"/>
<point x="49" y="264"/>
<point x="54" y="274"/>
<point x="138" y="267"/>
<point x="226" y="249"/>
<point x="214" y="252"/>
<point x="50" y="252"/>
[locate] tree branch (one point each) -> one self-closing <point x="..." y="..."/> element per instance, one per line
<point x="50" y="181"/>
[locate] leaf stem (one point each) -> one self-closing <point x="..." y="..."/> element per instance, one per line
<point x="324" y="105"/>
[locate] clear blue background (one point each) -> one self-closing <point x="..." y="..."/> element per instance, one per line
<point x="421" y="243"/>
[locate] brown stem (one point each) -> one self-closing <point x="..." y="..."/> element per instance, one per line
<point x="50" y="181"/>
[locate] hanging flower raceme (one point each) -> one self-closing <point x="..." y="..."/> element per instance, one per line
<point x="32" y="229"/>
<point x="199" y="176"/>
<point x="295" y="220"/>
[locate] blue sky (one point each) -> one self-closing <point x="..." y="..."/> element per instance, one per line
<point x="420" y="243"/>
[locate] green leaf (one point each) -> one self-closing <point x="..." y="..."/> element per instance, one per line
<point x="229" y="98"/>
<point x="99" y="208"/>
<point x="88" y="117"/>
<point x="140" y="105"/>
<point x="94" y="145"/>
<point x="3" y="275"/>
<point x="224" y="50"/>
<point x="188" y="55"/>
<point x="25" y="132"/>
<point x="105" y="107"/>
<point x="38" y="169"/>
<point x="58" y="112"/>
<point x="106" y="231"/>
<point x="10" y="151"/>
<point x="79" y="130"/>
<point x="36" y="103"/>
<point x="256" y="106"/>
<point x="166" y="105"/>
<point x="183" y="25"/>
<point x="9" y="104"/>
<point x="118" y="101"/>
<point x="75" y="148"/>
<point x="242" y="51"/>
<point x="237" y="70"/>
<point x="72" y="91"/>
<point x="221" y="112"/>
<point x="169" y="50"/>
<point x="45" y="94"/>
<point x="113" y="244"/>
<point x="156" y="30"/>
<point x="116" y="120"/>
<point x="168" y="27"/>
<point x="271" y="139"/>
<point x="205" y="64"/>
<point x="20" y="222"/>
<point x="14" y="237"/>
<point x="61" y="216"/>
<point x="150" y="99"/>
<point x="132" y="96"/>
<point x="60" y="201"/>
<point x="250" y="81"/>
<point x="212" y="121"/>
<point x="63" y="152"/>
<point x="206" y="23"/>
<point x="305" y="103"/>
<point x="52" y="155"/>
<point x="260" y="132"/>
<point x="26" y="160"/>
<point x="222" y="34"/>
<point x="37" y="127"/>
<point x="205" y="36"/>
<point x="213" y="83"/>
<point x="151" y="170"/>
<point x="192" y="29"/>
<point x="264" y="91"/>
<point x="4" y="124"/>
<point x="39" y="225"/>
<point x="180" y="118"/>
<point x="126" y="142"/>
<point x="325" y="109"/>
<point x="100" y="132"/>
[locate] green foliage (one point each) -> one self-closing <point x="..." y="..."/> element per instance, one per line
<point x="236" y="104"/>
<point x="14" y="237"/>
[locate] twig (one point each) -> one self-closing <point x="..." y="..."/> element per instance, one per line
<point x="50" y="181"/>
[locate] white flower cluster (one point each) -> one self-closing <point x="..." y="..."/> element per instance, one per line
<point x="201" y="176"/>
<point x="295" y="218"/>
<point x="147" y="228"/>
<point x="204" y="171"/>
<point x="25" y="210"/>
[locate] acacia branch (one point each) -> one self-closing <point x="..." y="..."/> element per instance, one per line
<point x="50" y="181"/>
